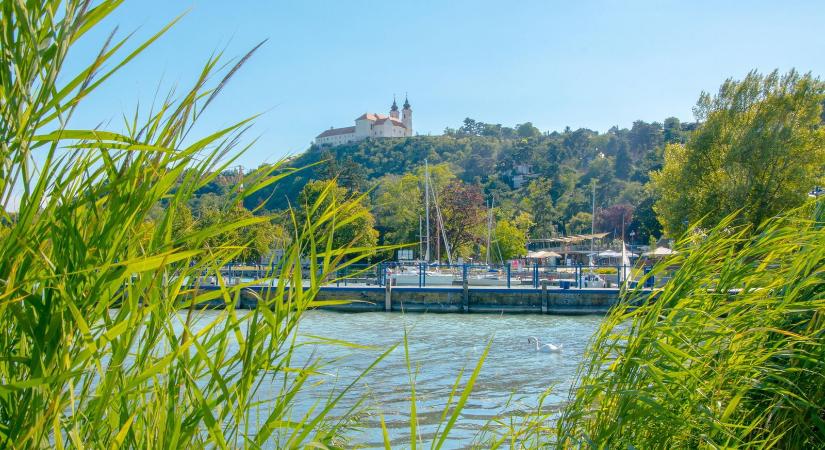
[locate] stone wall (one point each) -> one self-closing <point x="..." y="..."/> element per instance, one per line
<point x="457" y="300"/>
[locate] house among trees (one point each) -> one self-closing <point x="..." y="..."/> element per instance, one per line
<point x="522" y="173"/>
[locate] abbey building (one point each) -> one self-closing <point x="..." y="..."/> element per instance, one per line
<point x="371" y="125"/>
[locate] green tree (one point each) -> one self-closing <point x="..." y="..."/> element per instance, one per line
<point x="623" y="164"/>
<point x="398" y="208"/>
<point x="527" y="130"/>
<point x="183" y="222"/>
<point x="510" y="241"/>
<point x="359" y="232"/>
<point x="673" y="131"/>
<point x="539" y="201"/>
<point x="580" y="223"/>
<point x="258" y="239"/>
<point x="760" y="149"/>
<point x="645" y="223"/>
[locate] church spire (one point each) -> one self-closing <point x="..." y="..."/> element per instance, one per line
<point x="406" y="117"/>
<point x="394" y="108"/>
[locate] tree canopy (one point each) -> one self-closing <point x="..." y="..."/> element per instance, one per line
<point x="760" y="149"/>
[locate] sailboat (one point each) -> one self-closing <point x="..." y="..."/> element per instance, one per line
<point x="490" y="276"/>
<point x="411" y="275"/>
<point x="626" y="273"/>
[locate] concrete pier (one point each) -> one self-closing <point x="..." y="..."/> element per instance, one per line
<point x="460" y="299"/>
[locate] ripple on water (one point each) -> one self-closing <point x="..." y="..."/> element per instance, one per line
<point x="511" y="380"/>
<point x="440" y="346"/>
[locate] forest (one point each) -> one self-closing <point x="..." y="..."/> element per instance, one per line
<point x="651" y="180"/>
<point x="539" y="183"/>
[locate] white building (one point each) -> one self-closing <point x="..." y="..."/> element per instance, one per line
<point x="371" y="125"/>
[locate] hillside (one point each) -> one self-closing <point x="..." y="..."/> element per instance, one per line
<point x="546" y="174"/>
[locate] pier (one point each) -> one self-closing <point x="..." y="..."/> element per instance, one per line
<point x="449" y="299"/>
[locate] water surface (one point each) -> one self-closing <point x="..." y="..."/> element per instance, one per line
<point x="440" y="346"/>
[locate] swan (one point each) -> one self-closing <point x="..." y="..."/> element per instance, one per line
<point x="548" y="348"/>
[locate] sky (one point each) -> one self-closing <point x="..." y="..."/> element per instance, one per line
<point x="592" y="64"/>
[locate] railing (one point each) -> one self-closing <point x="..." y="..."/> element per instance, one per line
<point x="506" y="275"/>
<point x="501" y="276"/>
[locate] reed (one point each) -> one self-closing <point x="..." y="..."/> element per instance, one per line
<point x="102" y="344"/>
<point x="731" y="352"/>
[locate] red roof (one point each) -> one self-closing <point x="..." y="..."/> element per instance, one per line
<point x="371" y="116"/>
<point x="395" y="122"/>
<point x="336" y="132"/>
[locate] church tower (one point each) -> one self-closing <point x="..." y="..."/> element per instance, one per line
<point x="406" y="117"/>
<point x="394" y="109"/>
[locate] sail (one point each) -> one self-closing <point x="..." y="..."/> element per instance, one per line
<point x="625" y="264"/>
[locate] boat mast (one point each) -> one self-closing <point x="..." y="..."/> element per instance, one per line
<point x="440" y="226"/>
<point x="427" y="207"/>
<point x="420" y="237"/>
<point x="593" y="223"/>
<point x="489" y="229"/>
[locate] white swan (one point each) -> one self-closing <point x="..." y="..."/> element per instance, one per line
<point x="547" y="348"/>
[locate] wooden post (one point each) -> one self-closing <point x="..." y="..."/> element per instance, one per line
<point x="388" y="296"/>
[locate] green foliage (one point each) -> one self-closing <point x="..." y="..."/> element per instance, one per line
<point x="102" y="344"/>
<point x="760" y="149"/>
<point x="491" y="156"/>
<point x="356" y="231"/>
<point x="539" y="201"/>
<point x="645" y="224"/>
<point x="258" y="238"/>
<point x="510" y="241"/>
<point x="730" y="355"/>
<point x="398" y="205"/>
<point x="580" y="223"/>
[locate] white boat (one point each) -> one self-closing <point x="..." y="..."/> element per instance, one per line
<point x="591" y="279"/>
<point x="486" y="280"/>
<point x="411" y="276"/>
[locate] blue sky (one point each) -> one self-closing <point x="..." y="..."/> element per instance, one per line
<point x="588" y="64"/>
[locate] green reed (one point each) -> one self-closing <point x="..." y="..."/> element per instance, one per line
<point x="730" y="353"/>
<point x="102" y="344"/>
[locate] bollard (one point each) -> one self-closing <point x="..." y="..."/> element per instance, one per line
<point x="544" y="297"/>
<point x="465" y="304"/>
<point x="650" y="282"/>
<point x="388" y="297"/>
<point x="579" y="276"/>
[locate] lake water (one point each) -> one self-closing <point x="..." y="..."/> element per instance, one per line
<point x="440" y="346"/>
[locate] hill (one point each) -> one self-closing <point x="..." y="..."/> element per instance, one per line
<point x="545" y="174"/>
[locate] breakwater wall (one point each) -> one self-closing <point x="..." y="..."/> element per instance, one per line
<point x="458" y="300"/>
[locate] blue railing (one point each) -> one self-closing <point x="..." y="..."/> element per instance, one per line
<point x="506" y="275"/>
<point x="475" y="275"/>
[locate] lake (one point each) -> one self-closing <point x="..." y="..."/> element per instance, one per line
<point x="440" y="346"/>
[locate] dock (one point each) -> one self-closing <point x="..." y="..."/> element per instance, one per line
<point x="454" y="299"/>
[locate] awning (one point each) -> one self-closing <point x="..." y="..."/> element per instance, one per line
<point x="660" y="251"/>
<point x="541" y="254"/>
<point x="576" y="238"/>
